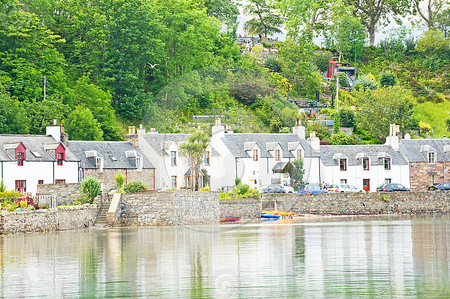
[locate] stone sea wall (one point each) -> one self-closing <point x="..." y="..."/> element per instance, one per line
<point x="65" y="193"/>
<point x="46" y="220"/>
<point x="365" y="203"/>
<point x="168" y="208"/>
<point x="248" y="208"/>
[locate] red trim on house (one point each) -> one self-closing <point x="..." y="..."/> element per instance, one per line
<point x="60" y="150"/>
<point x="23" y="150"/>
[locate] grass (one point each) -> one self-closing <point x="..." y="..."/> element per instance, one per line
<point x="434" y="114"/>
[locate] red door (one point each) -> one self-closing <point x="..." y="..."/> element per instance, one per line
<point x="366" y="185"/>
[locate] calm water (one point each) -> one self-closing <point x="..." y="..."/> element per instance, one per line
<point x="327" y="258"/>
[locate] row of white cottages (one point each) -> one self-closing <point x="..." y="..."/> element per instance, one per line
<point x="256" y="158"/>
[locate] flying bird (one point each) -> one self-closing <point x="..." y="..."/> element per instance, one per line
<point x="153" y="65"/>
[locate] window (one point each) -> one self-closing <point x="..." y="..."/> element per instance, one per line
<point x="173" y="179"/>
<point x="59" y="158"/>
<point x="21" y="186"/>
<point x="277" y="155"/>
<point x="20" y="159"/>
<point x="365" y="164"/>
<point x="99" y="163"/>
<point x="173" y="158"/>
<point x="431" y="180"/>
<point x="40" y="182"/>
<point x="431" y="157"/>
<point x="299" y="154"/>
<point x="343" y="164"/>
<point x="60" y="181"/>
<point x="139" y="163"/>
<point x="343" y="181"/>
<point x="387" y="163"/>
<point x="207" y="155"/>
<point x="255" y="155"/>
<point x="387" y="181"/>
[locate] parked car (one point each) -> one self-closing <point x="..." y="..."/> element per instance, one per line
<point x="341" y="188"/>
<point x="312" y="188"/>
<point x="394" y="187"/>
<point x="380" y="188"/>
<point x="274" y="188"/>
<point x="288" y="189"/>
<point x="440" y="187"/>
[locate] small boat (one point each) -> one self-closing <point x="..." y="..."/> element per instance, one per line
<point x="229" y="219"/>
<point x="284" y="214"/>
<point x="269" y="215"/>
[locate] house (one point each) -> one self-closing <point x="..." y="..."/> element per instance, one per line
<point x="104" y="159"/>
<point x="172" y="168"/>
<point x="364" y="166"/>
<point x="429" y="161"/>
<point x="29" y="160"/>
<point x="259" y="159"/>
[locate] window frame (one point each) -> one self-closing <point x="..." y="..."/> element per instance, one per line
<point x="207" y="158"/>
<point x="99" y="163"/>
<point x="40" y="182"/>
<point x="431" y="180"/>
<point x="344" y="168"/>
<point x="366" y="166"/>
<point x="388" y="165"/>
<point x="20" y="186"/>
<point x="59" y="159"/>
<point x="299" y="153"/>
<point x="173" y="181"/>
<point x="431" y="155"/>
<point x="255" y="155"/>
<point x="60" y="181"/>
<point x="173" y="158"/>
<point x="277" y="155"/>
<point x="388" y="181"/>
<point x="20" y="158"/>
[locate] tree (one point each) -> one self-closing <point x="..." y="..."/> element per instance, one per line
<point x="321" y="130"/>
<point x="337" y="123"/>
<point x="373" y="12"/>
<point x="41" y="113"/>
<point x="266" y="21"/>
<point x="433" y="42"/>
<point x="429" y="11"/>
<point x="91" y="187"/>
<point x="299" y="171"/>
<point x="341" y="138"/>
<point x="388" y="79"/>
<point x="347" y="118"/>
<point x="381" y="107"/>
<point x="13" y="118"/>
<point x="81" y="125"/>
<point x="195" y="149"/>
<point x="119" y="178"/>
<point x="443" y="22"/>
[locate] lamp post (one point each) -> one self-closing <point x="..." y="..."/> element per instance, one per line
<point x="354" y="41"/>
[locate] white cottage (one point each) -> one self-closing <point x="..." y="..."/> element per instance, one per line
<point x="29" y="160"/>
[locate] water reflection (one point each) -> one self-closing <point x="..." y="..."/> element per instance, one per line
<point x="328" y="258"/>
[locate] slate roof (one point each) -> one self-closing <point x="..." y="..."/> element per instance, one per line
<point x="158" y="141"/>
<point x="235" y="144"/>
<point x="33" y="143"/>
<point x="106" y="149"/>
<point x="351" y="151"/>
<point x="411" y="148"/>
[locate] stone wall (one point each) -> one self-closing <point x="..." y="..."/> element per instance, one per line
<point x="248" y="208"/>
<point x="147" y="176"/>
<point x="46" y="220"/>
<point x="420" y="175"/>
<point x="65" y="193"/>
<point x="365" y="203"/>
<point x="169" y="208"/>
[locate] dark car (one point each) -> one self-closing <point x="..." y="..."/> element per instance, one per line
<point x="312" y="188"/>
<point x="440" y="187"/>
<point x="274" y="188"/>
<point x="394" y="187"/>
<point x="380" y="188"/>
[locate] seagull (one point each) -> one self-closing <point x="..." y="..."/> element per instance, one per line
<point x="153" y="65"/>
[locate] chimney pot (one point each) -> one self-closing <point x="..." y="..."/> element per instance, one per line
<point x="218" y="122"/>
<point x="54" y="122"/>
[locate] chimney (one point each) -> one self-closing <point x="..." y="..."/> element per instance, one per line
<point x="132" y="136"/>
<point x="217" y="131"/>
<point x="217" y="122"/>
<point x="141" y="130"/>
<point x="299" y="129"/>
<point x="314" y="141"/>
<point x="153" y="131"/>
<point x="392" y="139"/>
<point x="64" y="136"/>
<point x="54" y="130"/>
<point x="399" y="136"/>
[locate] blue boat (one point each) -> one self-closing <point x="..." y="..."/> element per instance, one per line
<point x="269" y="215"/>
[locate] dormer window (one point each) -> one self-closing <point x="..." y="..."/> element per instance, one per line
<point x="365" y="163"/>
<point x="387" y="163"/>
<point x="299" y="154"/>
<point x="99" y="163"/>
<point x="255" y="155"/>
<point x="431" y="157"/>
<point x="277" y="155"/>
<point x="139" y="163"/>
<point x="59" y="158"/>
<point x="343" y="164"/>
<point x="207" y="158"/>
<point x="173" y="158"/>
<point x="20" y="158"/>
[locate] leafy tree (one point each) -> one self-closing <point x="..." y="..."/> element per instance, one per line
<point x="347" y="118"/>
<point x="443" y="22"/>
<point x="322" y="61"/>
<point x="337" y="123"/>
<point x="225" y="10"/>
<point x="341" y="138"/>
<point x="40" y="113"/>
<point x="388" y="79"/>
<point x="365" y="83"/>
<point x="119" y="178"/>
<point x="433" y="42"/>
<point x="13" y="119"/>
<point x="321" y="130"/>
<point x="266" y="21"/>
<point x="81" y="125"/>
<point x="428" y="11"/>
<point x="299" y="171"/>
<point x="381" y="107"/>
<point x="91" y="187"/>
<point x="372" y="13"/>
<point x="195" y="149"/>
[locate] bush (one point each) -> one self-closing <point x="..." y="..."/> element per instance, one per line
<point x="82" y="199"/>
<point x="2" y="186"/>
<point x="10" y="193"/>
<point x="91" y="187"/>
<point x="204" y="188"/>
<point x="237" y="181"/>
<point x="120" y="179"/>
<point x="267" y="45"/>
<point x="242" y="188"/>
<point x="28" y="200"/>
<point x="388" y="79"/>
<point x="322" y="61"/>
<point x="134" y="187"/>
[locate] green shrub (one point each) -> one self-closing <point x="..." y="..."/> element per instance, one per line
<point x="120" y="179"/>
<point x="2" y="186"/>
<point x="81" y="199"/>
<point x="134" y="187"/>
<point x="322" y="61"/>
<point x="267" y="45"/>
<point x="242" y="188"/>
<point x="388" y="79"/>
<point x="10" y="193"/>
<point x="273" y="64"/>
<point x="91" y="187"/>
<point x="237" y="181"/>
<point x="204" y="188"/>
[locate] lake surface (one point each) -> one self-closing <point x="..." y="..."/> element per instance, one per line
<point x="357" y="257"/>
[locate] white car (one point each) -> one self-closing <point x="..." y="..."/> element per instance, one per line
<point x="341" y="188"/>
